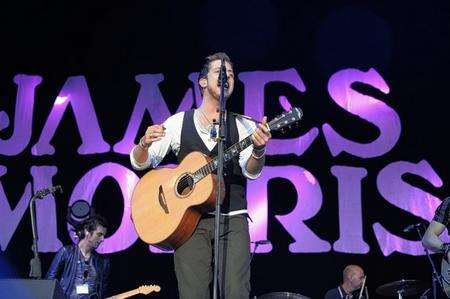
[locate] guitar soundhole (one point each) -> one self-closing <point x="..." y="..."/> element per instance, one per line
<point x="185" y="185"/>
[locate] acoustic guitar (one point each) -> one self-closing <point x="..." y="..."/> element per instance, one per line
<point x="145" y="290"/>
<point x="167" y="203"/>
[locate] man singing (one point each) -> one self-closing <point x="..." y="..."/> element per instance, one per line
<point x="195" y="130"/>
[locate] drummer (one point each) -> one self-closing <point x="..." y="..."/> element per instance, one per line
<point x="352" y="280"/>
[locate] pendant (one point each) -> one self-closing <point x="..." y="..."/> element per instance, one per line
<point x="213" y="133"/>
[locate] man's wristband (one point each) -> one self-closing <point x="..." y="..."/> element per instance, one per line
<point x="142" y="144"/>
<point x="258" y="153"/>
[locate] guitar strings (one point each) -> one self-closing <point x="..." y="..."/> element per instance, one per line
<point x="204" y="170"/>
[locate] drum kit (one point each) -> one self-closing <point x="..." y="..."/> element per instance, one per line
<point x="403" y="287"/>
<point x="399" y="289"/>
<point x="282" y="295"/>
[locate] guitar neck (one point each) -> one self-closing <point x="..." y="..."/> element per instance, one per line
<point x="125" y="295"/>
<point x="278" y="123"/>
<point x="229" y="154"/>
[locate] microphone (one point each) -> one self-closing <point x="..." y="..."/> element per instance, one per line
<point x="223" y="78"/>
<point x="46" y="191"/>
<point x="411" y="227"/>
<point x="261" y="242"/>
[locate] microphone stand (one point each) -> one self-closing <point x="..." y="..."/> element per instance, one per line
<point x="35" y="262"/>
<point x="220" y="152"/>
<point x="257" y="243"/>
<point x="436" y="277"/>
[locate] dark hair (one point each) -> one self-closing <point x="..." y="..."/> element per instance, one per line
<point x="216" y="56"/>
<point x="90" y="224"/>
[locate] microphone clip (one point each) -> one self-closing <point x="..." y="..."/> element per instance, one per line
<point x="46" y="191"/>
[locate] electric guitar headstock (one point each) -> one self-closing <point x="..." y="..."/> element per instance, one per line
<point x="147" y="289"/>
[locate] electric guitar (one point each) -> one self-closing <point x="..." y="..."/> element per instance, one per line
<point x="144" y="289"/>
<point x="167" y="204"/>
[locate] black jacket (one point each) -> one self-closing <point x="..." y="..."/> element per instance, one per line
<point x="64" y="268"/>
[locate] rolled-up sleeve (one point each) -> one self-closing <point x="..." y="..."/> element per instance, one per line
<point x="159" y="149"/>
<point x="243" y="158"/>
<point x="136" y="165"/>
<point x="246" y="128"/>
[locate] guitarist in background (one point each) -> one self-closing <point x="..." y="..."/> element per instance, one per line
<point x="196" y="130"/>
<point x="437" y="226"/>
<point x="431" y="239"/>
<point x="82" y="272"/>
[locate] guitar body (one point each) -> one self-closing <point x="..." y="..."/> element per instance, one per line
<point x="445" y="274"/>
<point x="166" y="206"/>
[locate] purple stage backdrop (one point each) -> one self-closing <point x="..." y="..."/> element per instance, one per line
<point x="75" y="96"/>
<point x="367" y="160"/>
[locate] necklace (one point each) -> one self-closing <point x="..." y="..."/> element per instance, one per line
<point x="85" y="256"/>
<point x="210" y="127"/>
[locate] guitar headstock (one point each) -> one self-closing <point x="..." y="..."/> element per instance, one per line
<point x="286" y="119"/>
<point x="147" y="289"/>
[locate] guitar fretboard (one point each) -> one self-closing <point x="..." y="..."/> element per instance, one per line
<point x="275" y="124"/>
<point x="229" y="154"/>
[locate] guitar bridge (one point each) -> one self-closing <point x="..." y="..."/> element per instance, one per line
<point x="162" y="200"/>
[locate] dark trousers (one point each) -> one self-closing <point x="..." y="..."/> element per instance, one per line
<point x="194" y="264"/>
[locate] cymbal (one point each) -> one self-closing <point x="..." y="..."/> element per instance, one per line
<point x="282" y="295"/>
<point x="406" y="286"/>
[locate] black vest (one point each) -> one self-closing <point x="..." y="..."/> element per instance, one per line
<point x="235" y="182"/>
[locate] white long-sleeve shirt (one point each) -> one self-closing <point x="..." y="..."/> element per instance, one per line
<point x="159" y="149"/>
